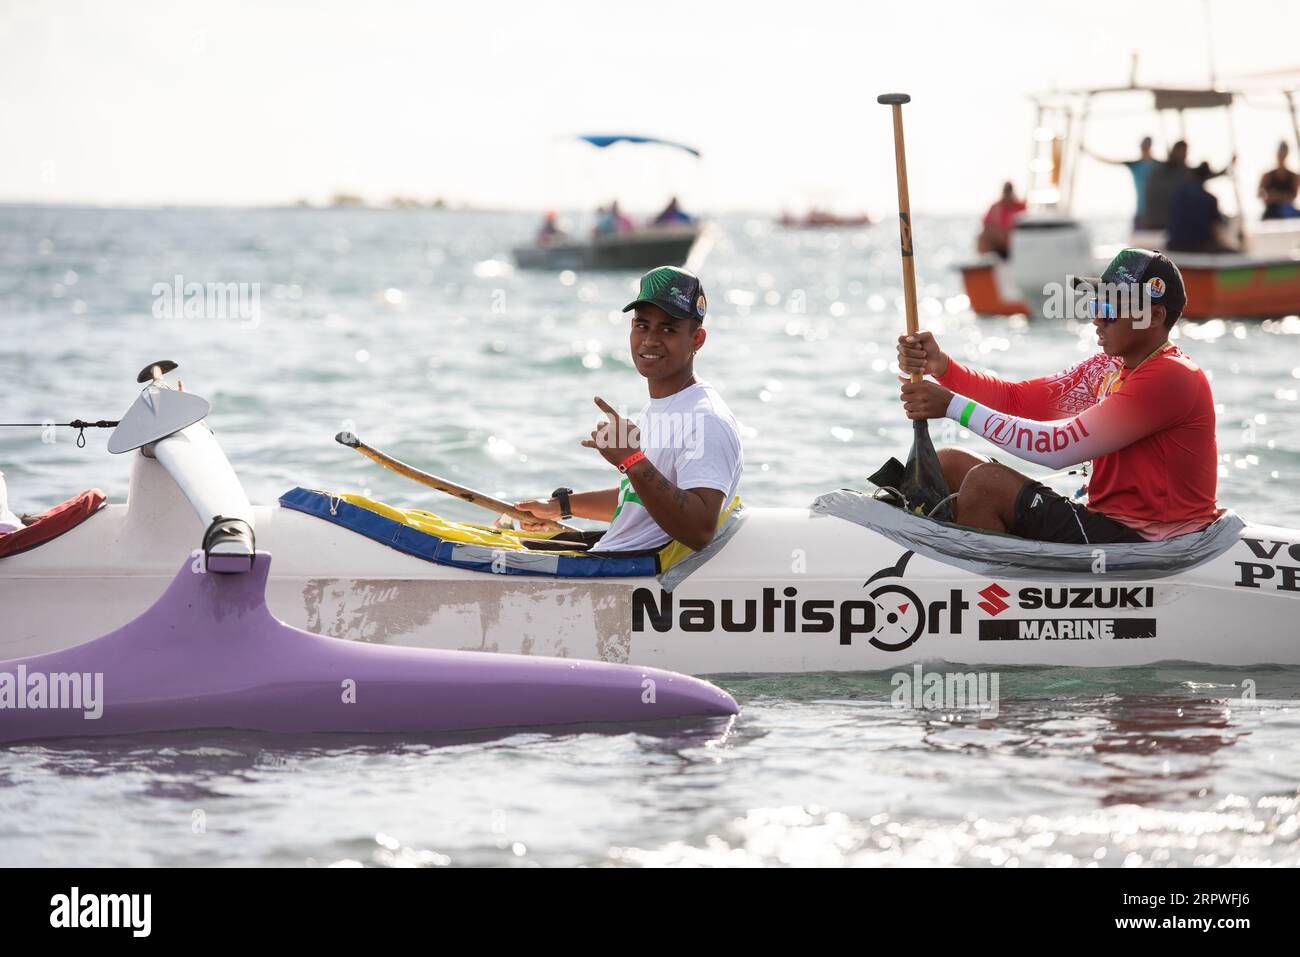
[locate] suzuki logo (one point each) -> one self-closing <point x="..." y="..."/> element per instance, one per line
<point x="993" y="595"/>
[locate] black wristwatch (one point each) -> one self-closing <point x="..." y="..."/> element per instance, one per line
<point x="563" y="494"/>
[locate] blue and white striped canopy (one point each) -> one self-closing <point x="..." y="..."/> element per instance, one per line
<point x="602" y="141"/>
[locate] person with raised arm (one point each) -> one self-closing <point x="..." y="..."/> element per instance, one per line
<point x="680" y="459"/>
<point x="1140" y="169"/>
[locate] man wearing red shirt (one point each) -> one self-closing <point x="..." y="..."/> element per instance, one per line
<point x="1140" y="409"/>
<point x="998" y="221"/>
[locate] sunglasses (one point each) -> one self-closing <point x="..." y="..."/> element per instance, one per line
<point x="1100" y="309"/>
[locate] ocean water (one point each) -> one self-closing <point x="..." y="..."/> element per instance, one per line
<point x="412" y="329"/>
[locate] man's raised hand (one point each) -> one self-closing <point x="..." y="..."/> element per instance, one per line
<point x="615" y="438"/>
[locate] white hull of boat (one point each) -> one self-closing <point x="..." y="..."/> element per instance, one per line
<point x="788" y="592"/>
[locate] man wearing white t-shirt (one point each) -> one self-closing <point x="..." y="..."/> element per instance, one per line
<point x="681" y="458"/>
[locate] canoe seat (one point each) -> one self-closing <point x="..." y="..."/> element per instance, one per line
<point x="501" y="551"/>
<point x="484" y="548"/>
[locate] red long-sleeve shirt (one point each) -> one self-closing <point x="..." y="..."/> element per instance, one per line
<point x="1149" y="431"/>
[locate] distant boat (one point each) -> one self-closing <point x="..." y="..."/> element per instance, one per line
<point x="820" y="219"/>
<point x="641" y="249"/>
<point x="1049" y="242"/>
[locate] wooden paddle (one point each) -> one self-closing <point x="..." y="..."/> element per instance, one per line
<point x="451" y="488"/>
<point x="924" y="486"/>
<point x="895" y="102"/>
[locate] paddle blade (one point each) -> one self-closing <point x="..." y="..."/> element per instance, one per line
<point x="923" y="485"/>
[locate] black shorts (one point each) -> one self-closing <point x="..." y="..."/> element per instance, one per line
<point x="1047" y="516"/>
<point x="564" y="542"/>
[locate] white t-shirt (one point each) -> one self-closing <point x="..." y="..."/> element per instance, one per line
<point x="692" y="438"/>
<point x="9" y="522"/>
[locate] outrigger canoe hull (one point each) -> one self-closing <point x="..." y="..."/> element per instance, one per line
<point x="789" y="590"/>
<point x="210" y="655"/>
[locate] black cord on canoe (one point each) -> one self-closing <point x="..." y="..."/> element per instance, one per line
<point x="79" y="424"/>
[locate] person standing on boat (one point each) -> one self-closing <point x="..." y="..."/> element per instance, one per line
<point x="1141" y="410"/>
<point x="1140" y="168"/>
<point x="1002" y="215"/>
<point x="610" y="221"/>
<point x="1195" y="223"/>
<point x="681" y="458"/>
<point x="1278" y="188"/>
<point x="550" y="231"/>
<point x="1165" y="180"/>
<point x="672" y="215"/>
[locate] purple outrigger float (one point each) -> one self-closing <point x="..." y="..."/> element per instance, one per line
<point x="209" y="654"/>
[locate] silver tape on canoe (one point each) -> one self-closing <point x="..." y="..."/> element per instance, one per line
<point x="993" y="554"/>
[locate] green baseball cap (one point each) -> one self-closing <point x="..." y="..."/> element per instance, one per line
<point x="1151" y="272"/>
<point x="676" y="291"/>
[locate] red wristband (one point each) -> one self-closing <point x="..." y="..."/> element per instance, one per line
<point x="631" y="460"/>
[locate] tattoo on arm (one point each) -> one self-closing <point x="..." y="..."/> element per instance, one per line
<point x="660" y="483"/>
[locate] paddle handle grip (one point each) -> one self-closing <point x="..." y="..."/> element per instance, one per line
<point x="895" y="102"/>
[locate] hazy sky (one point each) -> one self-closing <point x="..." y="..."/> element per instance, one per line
<point x="228" y="102"/>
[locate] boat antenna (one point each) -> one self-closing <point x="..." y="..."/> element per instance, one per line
<point x="1232" y="125"/>
<point x="1209" y="44"/>
<point x="1295" y="120"/>
<point x="1236" y="178"/>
